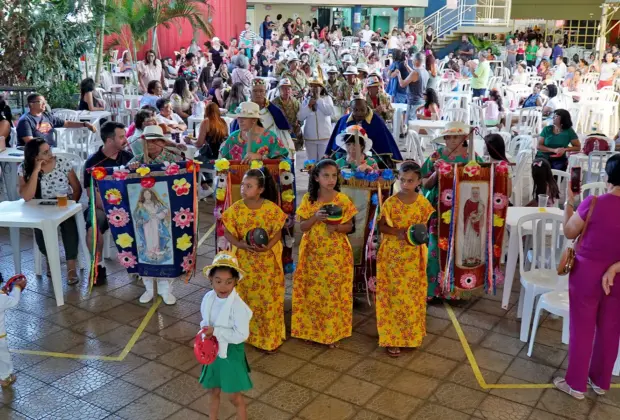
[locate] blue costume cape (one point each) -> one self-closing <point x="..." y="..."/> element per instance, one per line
<point x="276" y="113"/>
<point x="382" y="139"/>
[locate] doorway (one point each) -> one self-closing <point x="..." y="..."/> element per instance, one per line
<point x="382" y="22"/>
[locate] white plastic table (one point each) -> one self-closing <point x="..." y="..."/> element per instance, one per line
<point x="32" y="215"/>
<point x="428" y="124"/>
<point x="512" y="218"/>
<point x="192" y="122"/>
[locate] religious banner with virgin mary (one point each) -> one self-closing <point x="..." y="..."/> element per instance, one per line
<point x="472" y="212"/>
<point x="152" y="216"/>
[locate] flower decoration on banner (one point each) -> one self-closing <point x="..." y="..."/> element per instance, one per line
<point x="120" y="174"/>
<point x="500" y="201"/>
<point x="387" y="174"/>
<point x="184" y="242"/>
<point x="468" y="281"/>
<point x="113" y="196"/>
<point x="360" y="175"/>
<point x="289" y="241"/>
<point x="220" y="194"/>
<point x="472" y="168"/>
<point x="98" y="173"/>
<point x="447" y="197"/>
<point x="446" y="216"/>
<point x="499" y="276"/>
<point x="221" y="181"/>
<point x="346" y="174"/>
<point x="502" y="167"/>
<point x="183" y="218"/>
<point x="148" y="182"/>
<point x="288" y="196"/>
<point x="372" y="284"/>
<point x="127" y="259"/>
<point x="181" y="187"/>
<point x="192" y="165"/>
<point x="219" y="230"/>
<point x="236" y="152"/>
<point x="374" y="199"/>
<point x="188" y="263"/>
<point x="443" y="167"/>
<point x="171" y="168"/>
<point x="286" y="177"/>
<point x="443" y="244"/>
<point x="308" y="164"/>
<point x="217" y="213"/>
<point x="372" y="176"/>
<point x="124" y="240"/>
<point x="498" y="221"/>
<point x="289" y="268"/>
<point x="118" y="217"/>
<point x="284" y="166"/>
<point x="256" y="164"/>
<point x="143" y="170"/>
<point x="497" y="251"/>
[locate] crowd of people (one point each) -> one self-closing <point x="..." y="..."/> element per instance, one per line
<point x="296" y="86"/>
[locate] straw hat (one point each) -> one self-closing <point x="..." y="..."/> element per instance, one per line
<point x="224" y="259"/>
<point x="316" y="81"/>
<point x="363" y="67"/>
<point x="454" y="128"/>
<point x="284" y="82"/>
<point x="352" y="130"/>
<point x="247" y="110"/>
<point x="350" y="70"/>
<point x="153" y="132"/>
<point x="373" y="80"/>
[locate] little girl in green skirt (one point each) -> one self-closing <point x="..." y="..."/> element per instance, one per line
<point x="226" y="317"/>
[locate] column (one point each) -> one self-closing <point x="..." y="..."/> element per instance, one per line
<point x="401" y="18"/>
<point x="356" y="19"/>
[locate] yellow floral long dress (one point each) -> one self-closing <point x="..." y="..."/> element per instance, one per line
<point x="401" y="277"/>
<point x="263" y="286"/>
<point x="323" y="281"/>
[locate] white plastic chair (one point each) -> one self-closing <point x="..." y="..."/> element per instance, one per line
<point x="66" y="114"/>
<point x="593" y="188"/>
<point x="562" y="181"/>
<point x="520" y="143"/>
<point x="557" y="303"/>
<point x="529" y="121"/>
<point x="414" y="147"/>
<point x="523" y="184"/>
<point x="456" y="114"/>
<point x="541" y="277"/>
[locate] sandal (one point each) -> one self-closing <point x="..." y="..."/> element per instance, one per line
<point x="393" y="351"/>
<point x="8" y="381"/>
<point x="597" y="389"/>
<point x="72" y="279"/>
<point x="562" y="385"/>
<point x="332" y="346"/>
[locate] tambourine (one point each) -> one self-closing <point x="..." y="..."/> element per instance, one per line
<point x="334" y="214"/>
<point x="205" y="349"/>
<point x="257" y="237"/>
<point x="417" y="235"/>
<point x="8" y="287"/>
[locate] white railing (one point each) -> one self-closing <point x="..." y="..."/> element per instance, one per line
<point x="479" y="13"/>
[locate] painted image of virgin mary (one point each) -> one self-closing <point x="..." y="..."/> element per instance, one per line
<point x="473" y="218"/>
<point x="153" y="228"/>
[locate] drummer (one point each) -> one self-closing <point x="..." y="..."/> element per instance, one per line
<point x="358" y="146"/>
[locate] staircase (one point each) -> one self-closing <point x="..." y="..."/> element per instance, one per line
<point x="468" y="17"/>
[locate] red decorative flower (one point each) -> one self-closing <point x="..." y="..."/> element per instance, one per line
<point x="443" y="244"/>
<point x="497" y="251"/>
<point x="120" y="174"/>
<point x="99" y="173"/>
<point x="468" y="281"/>
<point x="191" y="166"/>
<point x="183" y="218"/>
<point x="188" y="263"/>
<point x="502" y="167"/>
<point x="147" y="182"/>
<point x="171" y="168"/>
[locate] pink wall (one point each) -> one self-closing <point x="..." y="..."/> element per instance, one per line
<point x="228" y="20"/>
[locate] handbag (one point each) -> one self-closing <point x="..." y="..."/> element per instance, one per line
<point x="567" y="261"/>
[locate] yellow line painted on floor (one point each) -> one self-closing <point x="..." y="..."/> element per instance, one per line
<point x="206" y="235"/>
<point x="132" y="341"/>
<point x="474" y="364"/>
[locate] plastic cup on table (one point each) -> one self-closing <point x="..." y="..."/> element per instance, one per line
<point x="543" y="199"/>
<point x="61" y="196"/>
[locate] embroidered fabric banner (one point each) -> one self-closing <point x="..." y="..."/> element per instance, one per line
<point x="229" y="177"/>
<point x="152" y="216"/>
<point x="472" y="210"/>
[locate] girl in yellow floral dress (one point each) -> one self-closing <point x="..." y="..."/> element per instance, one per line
<point x="263" y="288"/>
<point x="323" y="281"/>
<point x="401" y="267"/>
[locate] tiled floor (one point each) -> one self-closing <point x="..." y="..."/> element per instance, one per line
<point x="158" y="378"/>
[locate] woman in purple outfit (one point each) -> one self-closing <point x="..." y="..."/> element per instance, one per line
<point x="594" y="305"/>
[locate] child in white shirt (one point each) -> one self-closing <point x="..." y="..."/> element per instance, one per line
<point x="9" y="298"/>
